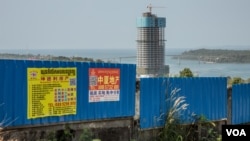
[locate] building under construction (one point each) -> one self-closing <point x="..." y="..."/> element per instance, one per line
<point x="151" y="45"/>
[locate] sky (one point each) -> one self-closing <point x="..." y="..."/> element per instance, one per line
<point x="111" y="24"/>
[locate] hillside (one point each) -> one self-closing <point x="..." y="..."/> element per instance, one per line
<point x="216" y="56"/>
<point x="46" y="57"/>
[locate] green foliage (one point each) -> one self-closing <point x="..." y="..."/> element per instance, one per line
<point x="86" y="135"/>
<point x="61" y="135"/>
<point x="67" y="134"/>
<point x="99" y="61"/>
<point x="248" y="80"/>
<point x="206" y="129"/>
<point x="200" y="130"/>
<point x="173" y="131"/>
<point x="236" y="80"/>
<point x="51" y="136"/>
<point x="186" y="72"/>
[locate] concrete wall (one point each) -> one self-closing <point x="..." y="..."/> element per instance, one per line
<point x="105" y="130"/>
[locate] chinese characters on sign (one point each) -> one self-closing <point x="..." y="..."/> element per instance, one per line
<point x="51" y="92"/>
<point x="104" y="84"/>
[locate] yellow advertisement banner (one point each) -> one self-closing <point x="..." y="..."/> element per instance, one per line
<point x="51" y="92"/>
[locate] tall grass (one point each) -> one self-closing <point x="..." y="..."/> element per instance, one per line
<point x="172" y="130"/>
<point x="200" y="129"/>
<point x="5" y="121"/>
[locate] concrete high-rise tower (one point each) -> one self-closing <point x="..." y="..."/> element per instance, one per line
<point x="151" y="45"/>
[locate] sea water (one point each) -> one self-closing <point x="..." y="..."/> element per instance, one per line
<point x="128" y="56"/>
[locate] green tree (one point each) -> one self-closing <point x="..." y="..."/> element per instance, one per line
<point x="248" y="80"/>
<point x="186" y="72"/>
<point x="99" y="61"/>
<point x="237" y="80"/>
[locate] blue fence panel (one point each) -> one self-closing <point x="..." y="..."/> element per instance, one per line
<point x="13" y="93"/>
<point x="152" y="102"/>
<point x="240" y="103"/>
<point x="206" y="96"/>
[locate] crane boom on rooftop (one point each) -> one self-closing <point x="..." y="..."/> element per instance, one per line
<point x="150" y="7"/>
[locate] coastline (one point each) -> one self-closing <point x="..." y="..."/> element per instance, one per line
<point x="128" y="56"/>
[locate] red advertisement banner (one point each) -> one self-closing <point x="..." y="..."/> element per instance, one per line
<point x="104" y="84"/>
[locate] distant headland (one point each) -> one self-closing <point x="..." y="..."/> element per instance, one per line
<point x="216" y="55"/>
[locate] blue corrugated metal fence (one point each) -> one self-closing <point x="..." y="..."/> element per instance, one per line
<point x="13" y="92"/>
<point x="205" y="96"/>
<point x="241" y="103"/>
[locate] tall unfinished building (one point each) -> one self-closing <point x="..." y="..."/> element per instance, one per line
<point x="151" y="45"/>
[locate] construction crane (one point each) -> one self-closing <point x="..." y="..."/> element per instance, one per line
<point x="150" y="7"/>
